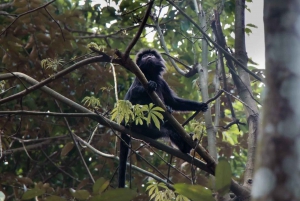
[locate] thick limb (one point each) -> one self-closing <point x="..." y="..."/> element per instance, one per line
<point x="150" y="132"/>
<point x="176" y="139"/>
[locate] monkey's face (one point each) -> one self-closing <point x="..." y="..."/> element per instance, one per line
<point x="150" y="62"/>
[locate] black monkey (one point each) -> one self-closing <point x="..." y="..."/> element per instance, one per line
<point x="153" y="66"/>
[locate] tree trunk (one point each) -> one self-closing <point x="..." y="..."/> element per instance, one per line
<point x="277" y="175"/>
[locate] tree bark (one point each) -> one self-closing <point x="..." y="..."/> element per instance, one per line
<point x="277" y="175"/>
<point x="244" y="89"/>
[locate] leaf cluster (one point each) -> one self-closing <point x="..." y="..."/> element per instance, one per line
<point x="137" y="114"/>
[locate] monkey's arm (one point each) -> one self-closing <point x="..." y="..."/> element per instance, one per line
<point x="179" y="104"/>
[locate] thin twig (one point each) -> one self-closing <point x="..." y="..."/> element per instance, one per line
<point x="214" y="43"/>
<point x="177" y="60"/>
<point x="62" y="34"/>
<point x="25" y="13"/>
<point x="235" y="121"/>
<point x="197" y="112"/>
<point x="133" y="167"/>
<point x="60" y="169"/>
<point x="52" y="78"/>
<point x="15" y="76"/>
<point x="76" y="144"/>
<point x="57" y="114"/>
<point x="238" y="100"/>
<point x="131" y="11"/>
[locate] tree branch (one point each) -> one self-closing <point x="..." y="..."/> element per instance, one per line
<point x="25" y="13"/>
<point x="52" y="78"/>
<point x="138" y="34"/>
<point x="213" y="42"/>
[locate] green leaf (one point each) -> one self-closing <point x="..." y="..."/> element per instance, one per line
<point x="182" y="198"/>
<point x="194" y="192"/>
<point x="120" y="194"/>
<point x="122" y="111"/>
<point x="80" y="194"/>
<point x="100" y="185"/>
<point x="158" y="109"/>
<point x="223" y="176"/>
<point x="158" y="114"/>
<point x="184" y="25"/>
<point x="156" y="121"/>
<point x="248" y="31"/>
<point x="32" y="193"/>
<point x="251" y="25"/>
<point x="55" y="198"/>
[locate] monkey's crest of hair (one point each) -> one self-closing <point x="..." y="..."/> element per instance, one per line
<point x="150" y="62"/>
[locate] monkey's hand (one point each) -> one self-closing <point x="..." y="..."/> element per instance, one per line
<point x="152" y="86"/>
<point x="203" y="107"/>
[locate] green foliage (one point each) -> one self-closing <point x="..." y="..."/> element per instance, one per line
<point x="194" y="192"/>
<point x="223" y="177"/>
<point x="94" y="45"/>
<point x="32" y="193"/>
<point x="80" y="194"/>
<point x="154" y="114"/>
<point x="38" y="190"/>
<point x="51" y="63"/>
<point x="120" y="194"/>
<point x="91" y="101"/>
<point x="33" y="44"/>
<point x="139" y="114"/>
<point x="124" y="110"/>
<point x="229" y="7"/>
<point x="160" y="192"/>
<point x="100" y="185"/>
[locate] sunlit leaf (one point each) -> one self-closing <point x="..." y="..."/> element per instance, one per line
<point x="100" y="185"/>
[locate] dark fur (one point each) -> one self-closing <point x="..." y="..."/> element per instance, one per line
<point x="153" y="66"/>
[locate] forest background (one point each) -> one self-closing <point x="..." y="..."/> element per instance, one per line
<point x="66" y="64"/>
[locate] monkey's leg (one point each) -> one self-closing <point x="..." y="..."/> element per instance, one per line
<point x="176" y="139"/>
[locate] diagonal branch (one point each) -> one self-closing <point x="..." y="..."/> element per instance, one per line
<point x="54" y="77"/>
<point x="106" y="122"/>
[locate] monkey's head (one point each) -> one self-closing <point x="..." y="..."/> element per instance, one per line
<point x="150" y="62"/>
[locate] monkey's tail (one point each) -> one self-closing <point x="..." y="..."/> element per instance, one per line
<point x="123" y="159"/>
